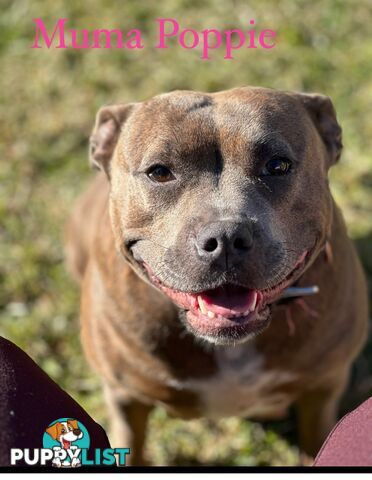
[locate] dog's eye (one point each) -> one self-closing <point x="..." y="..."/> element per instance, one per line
<point x="63" y="430"/>
<point x="277" y="166"/>
<point x="160" y="174"/>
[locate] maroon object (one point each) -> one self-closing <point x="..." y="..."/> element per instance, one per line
<point x="30" y="401"/>
<point x="350" y="442"/>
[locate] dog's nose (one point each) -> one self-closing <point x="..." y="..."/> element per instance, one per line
<point x="224" y="241"/>
<point x="77" y="431"/>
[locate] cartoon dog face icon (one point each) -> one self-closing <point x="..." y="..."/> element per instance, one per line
<point x="65" y="433"/>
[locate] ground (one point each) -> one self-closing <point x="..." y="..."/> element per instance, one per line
<point x="48" y="100"/>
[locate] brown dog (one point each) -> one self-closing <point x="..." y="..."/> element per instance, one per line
<point x="215" y="204"/>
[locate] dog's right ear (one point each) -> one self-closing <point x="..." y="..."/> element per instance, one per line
<point x="53" y="431"/>
<point x="105" y="135"/>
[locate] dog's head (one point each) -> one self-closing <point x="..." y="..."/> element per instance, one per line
<point x="220" y="200"/>
<point x="65" y="432"/>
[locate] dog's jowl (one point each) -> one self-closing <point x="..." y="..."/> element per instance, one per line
<point x="209" y="207"/>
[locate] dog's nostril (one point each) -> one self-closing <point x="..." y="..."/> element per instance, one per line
<point x="240" y="244"/>
<point x="210" y="245"/>
<point x="77" y="431"/>
<point x="216" y="241"/>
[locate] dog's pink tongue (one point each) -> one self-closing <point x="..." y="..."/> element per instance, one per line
<point x="230" y="300"/>
<point x="66" y="444"/>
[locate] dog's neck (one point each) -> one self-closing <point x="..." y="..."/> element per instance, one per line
<point x="294" y="292"/>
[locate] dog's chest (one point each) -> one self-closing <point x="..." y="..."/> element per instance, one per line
<point x="241" y="386"/>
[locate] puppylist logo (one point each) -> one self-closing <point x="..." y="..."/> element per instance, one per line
<point x="66" y="443"/>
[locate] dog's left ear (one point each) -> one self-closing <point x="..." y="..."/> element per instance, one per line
<point x="105" y="135"/>
<point x="323" y="115"/>
<point x="73" y="423"/>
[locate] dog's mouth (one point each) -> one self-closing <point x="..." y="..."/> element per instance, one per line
<point x="228" y="313"/>
<point x="66" y="444"/>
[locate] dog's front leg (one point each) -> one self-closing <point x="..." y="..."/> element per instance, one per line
<point x="128" y="424"/>
<point x="317" y="412"/>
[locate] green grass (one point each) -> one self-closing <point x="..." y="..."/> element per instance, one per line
<point x="48" y="101"/>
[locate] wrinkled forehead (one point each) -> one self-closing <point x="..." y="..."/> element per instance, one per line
<point x="234" y="122"/>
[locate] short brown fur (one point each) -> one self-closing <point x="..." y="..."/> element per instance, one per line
<point x="131" y="332"/>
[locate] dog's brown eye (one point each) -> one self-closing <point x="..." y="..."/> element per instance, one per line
<point x="160" y="174"/>
<point x="277" y="166"/>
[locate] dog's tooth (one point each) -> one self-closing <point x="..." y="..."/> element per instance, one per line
<point x="211" y="314"/>
<point x="246" y="313"/>
<point x="254" y="302"/>
<point x="202" y="306"/>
